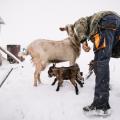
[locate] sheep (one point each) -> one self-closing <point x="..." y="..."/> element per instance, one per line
<point x="71" y="73"/>
<point x="44" y="52"/>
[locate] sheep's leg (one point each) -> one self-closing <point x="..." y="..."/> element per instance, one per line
<point x="75" y="85"/>
<point x="35" y="77"/>
<point x="37" y="74"/>
<point x="59" y="84"/>
<point x="72" y="62"/>
<point x="55" y="80"/>
<point x="39" y="81"/>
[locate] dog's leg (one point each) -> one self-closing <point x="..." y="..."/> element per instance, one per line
<point x="75" y="85"/>
<point x="79" y="75"/>
<point x="55" y="80"/>
<point x="79" y="82"/>
<point x="59" y="84"/>
<point x="80" y="79"/>
<point x="76" y="89"/>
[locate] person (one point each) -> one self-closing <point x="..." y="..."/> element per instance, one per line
<point x="103" y="29"/>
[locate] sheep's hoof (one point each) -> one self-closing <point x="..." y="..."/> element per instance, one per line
<point x="39" y="82"/>
<point x="35" y="85"/>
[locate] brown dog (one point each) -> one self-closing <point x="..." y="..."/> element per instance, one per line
<point x="71" y="73"/>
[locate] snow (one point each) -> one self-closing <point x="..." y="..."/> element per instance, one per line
<point x="20" y="100"/>
<point x="26" y="20"/>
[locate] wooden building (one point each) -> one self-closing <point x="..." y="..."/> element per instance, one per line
<point x="14" y="49"/>
<point x="1" y="22"/>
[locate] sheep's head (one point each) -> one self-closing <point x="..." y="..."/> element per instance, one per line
<point x="72" y="37"/>
<point x="51" y="71"/>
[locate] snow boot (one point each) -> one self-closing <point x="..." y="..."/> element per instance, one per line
<point x="93" y="110"/>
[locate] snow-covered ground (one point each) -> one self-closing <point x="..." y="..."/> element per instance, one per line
<point x="19" y="100"/>
<point x="27" y="20"/>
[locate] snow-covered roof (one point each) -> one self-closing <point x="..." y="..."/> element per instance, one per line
<point x="1" y="21"/>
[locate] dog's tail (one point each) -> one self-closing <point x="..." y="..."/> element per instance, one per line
<point x="23" y="54"/>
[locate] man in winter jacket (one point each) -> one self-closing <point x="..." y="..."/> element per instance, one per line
<point x="103" y="29"/>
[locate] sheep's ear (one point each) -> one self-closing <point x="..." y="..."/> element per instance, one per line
<point x="62" y="28"/>
<point x="72" y="26"/>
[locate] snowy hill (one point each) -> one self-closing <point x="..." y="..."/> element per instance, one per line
<point x="19" y="100"/>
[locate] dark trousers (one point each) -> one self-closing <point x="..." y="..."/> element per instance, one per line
<point x="101" y="68"/>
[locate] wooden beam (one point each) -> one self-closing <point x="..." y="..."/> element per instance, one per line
<point x="10" y="54"/>
<point x="6" y="77"/>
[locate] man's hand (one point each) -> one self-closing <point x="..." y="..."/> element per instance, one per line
<point x="85" y="46"/>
